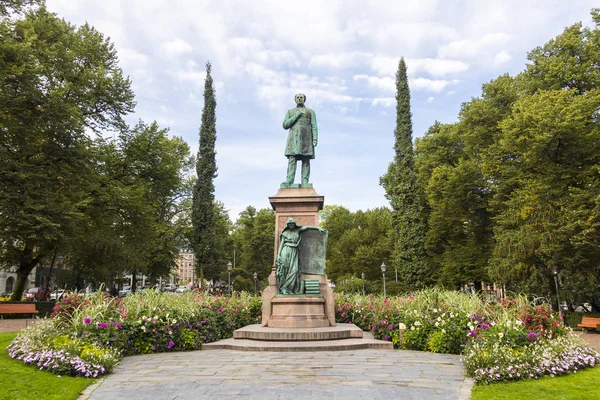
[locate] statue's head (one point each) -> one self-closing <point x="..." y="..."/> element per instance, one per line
<point x="291" y="223"/>
<point x="300" y="99"/>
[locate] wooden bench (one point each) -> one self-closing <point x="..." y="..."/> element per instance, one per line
<point x="17" y="309"/>
<point x="589" y="322"/>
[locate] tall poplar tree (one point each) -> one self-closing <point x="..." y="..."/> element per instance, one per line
<point x="400" y="184"/>
<point x="203" y="211"/>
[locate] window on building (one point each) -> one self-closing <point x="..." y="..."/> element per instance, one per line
<point x="10" y="284"/>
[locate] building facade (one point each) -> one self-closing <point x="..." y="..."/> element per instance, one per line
<point x="185" y="267"/>
<point x="8" y="278"/>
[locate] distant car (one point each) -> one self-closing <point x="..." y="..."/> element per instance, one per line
<point x="57" y="294"/>
<point x="36" y="294"/>
<point x="169" y="287"/>
<point x="125" y="291"/>
<point x="182" y="289"/>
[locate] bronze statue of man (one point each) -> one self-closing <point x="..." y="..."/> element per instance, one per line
<point x="301" y="142"/>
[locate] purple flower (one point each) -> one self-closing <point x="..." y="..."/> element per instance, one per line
<point x="87" y="320"/>
<point x="387" y="337"/>
<point x="118" y="326"/>
<point x="374" y="328"/>
<point x="220" y="310"/>
<point x="170" y="345"/>
<point x="532" y="335"/>
<point x="390" y="327"/>
<point x="102" y="325"/>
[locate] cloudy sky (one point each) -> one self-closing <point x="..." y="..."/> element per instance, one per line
<point x="342" y="54"/>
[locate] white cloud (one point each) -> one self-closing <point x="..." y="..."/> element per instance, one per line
<point x="417" y="84"/>
<point x="384" y="101"/>
<point x="430" y="99"/>
<point x="502" y="58"/>
<point x="476" y="46"/>
<point x="339" y="60"/>
<point x="430" y="85"/>
<point x="436" y="67"/>
<point x="386" y="84"/>
<point x="177" y="47"/>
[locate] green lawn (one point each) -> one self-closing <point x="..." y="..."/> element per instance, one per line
<point x="584" y="385"/>
<point x="20" y="381"/>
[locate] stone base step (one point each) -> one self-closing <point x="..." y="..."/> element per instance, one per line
<point x="315" y="345"/>
<point x="337" y="332"/>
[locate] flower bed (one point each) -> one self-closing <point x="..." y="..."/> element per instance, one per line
<point x="496" y="340"/>
<point x="89" y="334"/>
<point x="511" y="340"/>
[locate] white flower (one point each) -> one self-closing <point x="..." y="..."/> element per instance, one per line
<point x="174" y="321"/>
<point x="437" y="323"/>
<point x="435" y="310"/>
<point x="417" y="323"/>
<point x="412" y="328"/>
<point x="501" y="335"/>
<point x="401" y="326"/>
<point x="519" y="322"/>
<point x="443" y="331"/>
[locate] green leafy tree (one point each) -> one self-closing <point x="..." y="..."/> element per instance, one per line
<point x="358" y="242"/>
<point x="17" y="6"/>
<point x="203" y="211"/>
<point x="254" y="238"/>
<point x="56" y="80"/>
<point x="400" y="184"/>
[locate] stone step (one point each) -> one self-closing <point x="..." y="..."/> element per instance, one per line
<point x="337" y="332"/>
<point x="319" y="345"/>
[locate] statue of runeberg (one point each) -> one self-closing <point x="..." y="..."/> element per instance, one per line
<point x="301" y="142"/>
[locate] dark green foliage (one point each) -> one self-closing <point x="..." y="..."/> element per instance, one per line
<point x="400" y="184"/>
<point x="513" y="187"/>
<point x="358" y="242"/>
<point x="47" y="100"/>
<point x="254" y="240"/>
<point x="203" y="211"/>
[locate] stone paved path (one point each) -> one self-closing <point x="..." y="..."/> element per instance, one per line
<point x="228" y="374"/>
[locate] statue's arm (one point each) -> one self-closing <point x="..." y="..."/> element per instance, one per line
<point x="315" y="131"/>
<point x="290" y="120"/>
<point x="322" y="230"/>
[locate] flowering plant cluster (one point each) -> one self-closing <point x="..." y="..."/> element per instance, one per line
<point x="493" y="362"/>
<point x="89" y="334"/>
<point x="493" y="337"/>
<point x="43" y="347"/>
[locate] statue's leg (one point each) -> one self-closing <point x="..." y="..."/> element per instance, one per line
<point x="305" y="170"/>
<point x="291" y="171"/>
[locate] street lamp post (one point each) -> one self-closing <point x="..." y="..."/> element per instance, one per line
<point x="555" y="272"/>
<point x="255" y="276"/>
<point x="229" y="268"/>
<point x="383" y="268"/>
<point x="362" y="275"/>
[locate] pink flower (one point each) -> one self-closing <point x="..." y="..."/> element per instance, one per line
<point x="170" y="345"/>
<point x="220" y="310"/>
<point x="87" y="320"/>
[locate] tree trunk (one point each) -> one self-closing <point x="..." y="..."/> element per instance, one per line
<point x="22" y="274"/>
<point x="133" y="282"/>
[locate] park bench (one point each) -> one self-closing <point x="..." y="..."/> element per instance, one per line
<point x="589" y="322"/>
<point x="17" y="309"/>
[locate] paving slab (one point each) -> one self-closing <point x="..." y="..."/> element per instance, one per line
<point x="230" y="374"/>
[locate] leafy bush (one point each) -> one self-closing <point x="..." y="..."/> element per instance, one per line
<point x="89" y="334"/>
<point x="514" y="332"/>
<point x="493" y="361"/>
